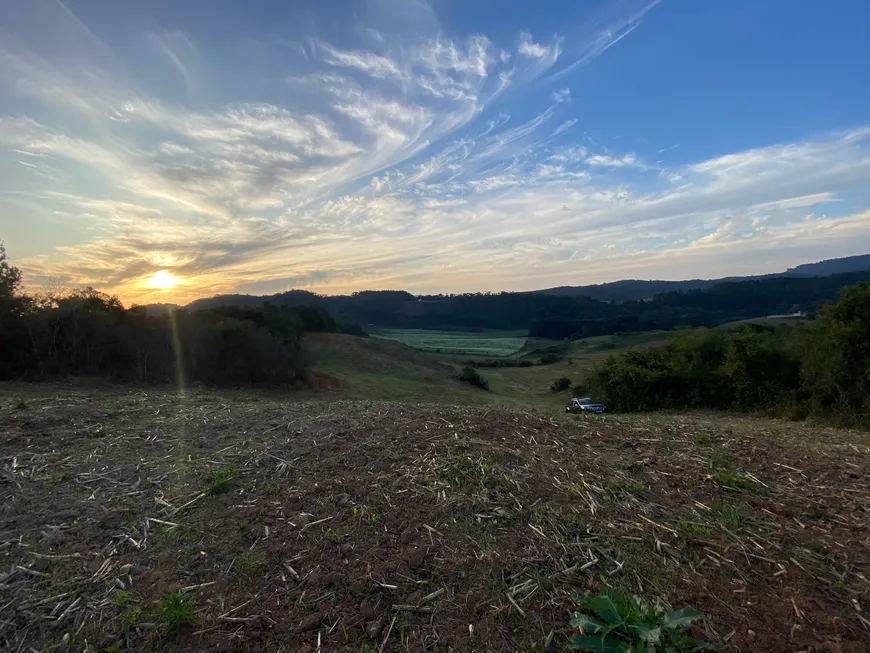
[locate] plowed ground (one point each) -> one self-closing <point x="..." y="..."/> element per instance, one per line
<point x="366" y="526"/>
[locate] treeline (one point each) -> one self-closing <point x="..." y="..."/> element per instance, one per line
<point x="87" y="332"/>
<point x="809" y="368"/>
<point x="561" y="317"/>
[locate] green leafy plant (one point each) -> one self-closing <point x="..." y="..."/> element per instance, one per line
<point x="176" y="612"/>
<point x="221" y="481"/>
<point x="616" y="622"/>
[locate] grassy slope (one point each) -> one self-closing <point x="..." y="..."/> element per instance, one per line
<point x="375" y="368"/>
<point x="379" y="369"/>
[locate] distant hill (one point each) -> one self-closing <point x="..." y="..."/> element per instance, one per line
<point x="637" y="289"/>
<point x="831" y="266"/>
<point x="557" y="316"/>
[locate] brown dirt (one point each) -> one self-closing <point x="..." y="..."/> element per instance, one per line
<point x="395" y="527"/>
<point x="324" y="382"/>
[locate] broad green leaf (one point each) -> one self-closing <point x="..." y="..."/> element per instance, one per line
<point x="680" y="618"/>
<point x="649" y="633"/>
<point x="597" y="644"/>
<point x="589" y="624"/>
<point x="605" y="606"/>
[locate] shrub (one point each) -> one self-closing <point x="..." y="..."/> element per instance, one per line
<point x="548" y="359"/>
<point x="615" y="621"/>
<point x="473" y="377"/>
<point x="561" y="384"/>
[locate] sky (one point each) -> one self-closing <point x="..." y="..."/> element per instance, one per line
<point x="163" y="150"/>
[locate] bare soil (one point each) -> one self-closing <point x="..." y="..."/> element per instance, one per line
<point x="371" y="526"/>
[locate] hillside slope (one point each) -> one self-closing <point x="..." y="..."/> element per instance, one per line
<point x="380" y="369"/>
<point x="348" y="526"/>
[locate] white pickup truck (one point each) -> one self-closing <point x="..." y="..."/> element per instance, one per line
<point x="584" y="405"/>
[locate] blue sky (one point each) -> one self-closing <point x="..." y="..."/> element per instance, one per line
<point x="168" y="150"/>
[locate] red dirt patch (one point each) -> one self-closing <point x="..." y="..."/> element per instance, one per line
<point x="325" y="382"/>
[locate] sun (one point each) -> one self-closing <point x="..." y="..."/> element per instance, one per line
<point x="162" y="280"/>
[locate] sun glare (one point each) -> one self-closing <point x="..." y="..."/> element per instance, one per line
<point x="162" y="280"/>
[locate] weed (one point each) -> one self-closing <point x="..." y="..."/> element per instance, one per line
<point x="627" y="487"/>
<point x="616" y="621"/>
<point x="693" y="530"/>
<point x="817" y="546"/>
<point x="720" y="460"/>
<point x="123" y="598"/>
<point x="575" y="488"/>
<point x="729" y="515"/>
<point x="248" y="563"/>
<point x="466" y="471"/>
<point x="176" y="612"/>
<point x="56" y="479"/>
<point x="221" y="481"/>
<point x="21" y="404"/>
<point x="731" y="479"/>
<point x="131" y="616"/>
<point x="702" y="438"/>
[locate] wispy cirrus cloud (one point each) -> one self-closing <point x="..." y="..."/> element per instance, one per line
<point x="388" y="160"/>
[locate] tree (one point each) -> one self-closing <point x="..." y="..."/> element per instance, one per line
<point x="10" y="277"/>
<point x="835" y="369"/>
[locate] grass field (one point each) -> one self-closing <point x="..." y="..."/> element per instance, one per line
<point x="143" y="520"/>
<point x="378" y="368"/>
<point x="490" y="343"/>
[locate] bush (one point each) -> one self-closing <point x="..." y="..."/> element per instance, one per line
<point x="562" y="384"/>
<point x="352" y="329"/>
<point x="548" y="359"/>
<point x="581" y="389"/>
<point x="473" y="377"/>
<point x="790" y="370"/>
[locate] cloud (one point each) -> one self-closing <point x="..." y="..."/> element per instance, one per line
<point x="605" y="161"/>
<point x="169" y="45"/>
<point x="528" y="48"/>
<point x="367" y="62"/>
<point x="391" y="159"/>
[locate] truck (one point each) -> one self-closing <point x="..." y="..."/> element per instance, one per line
<point x="584" y="405"/>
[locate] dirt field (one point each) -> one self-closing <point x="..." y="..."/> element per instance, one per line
<point x="291" y="525"/>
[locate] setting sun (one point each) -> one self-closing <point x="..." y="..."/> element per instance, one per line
<point x="162" y="280"/>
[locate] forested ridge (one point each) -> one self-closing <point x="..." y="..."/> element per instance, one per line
<point x="555" y="316"/>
